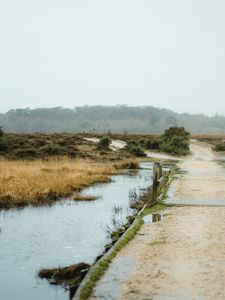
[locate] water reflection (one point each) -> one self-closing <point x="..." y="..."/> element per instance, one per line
<point x="151" y="218"/>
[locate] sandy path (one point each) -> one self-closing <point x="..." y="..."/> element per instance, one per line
<point x="183" y="256"/>
<point x="205" y="179"/>
<point x="115" y="145"/>
<point x="158" y="155"/>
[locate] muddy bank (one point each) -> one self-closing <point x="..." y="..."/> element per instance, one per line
<point x="69" y="277"/>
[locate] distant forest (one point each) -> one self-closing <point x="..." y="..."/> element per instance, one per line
<point x="118" y="119"/>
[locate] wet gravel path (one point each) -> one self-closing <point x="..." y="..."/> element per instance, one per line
<point x="182" y="256"/>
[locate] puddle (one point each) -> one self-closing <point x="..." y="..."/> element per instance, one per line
<point x="69" y="232"/>
<point x="147" y="165"/>
<point x="197" y="202"/>
<point x="110" y="286"/>
<point x="171" y="200"/>
<point x="151" y="218"/>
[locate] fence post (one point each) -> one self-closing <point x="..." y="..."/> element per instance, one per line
<point x="157" y="174"/>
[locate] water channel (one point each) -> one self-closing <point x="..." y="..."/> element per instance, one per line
<point x="68" y="232"/>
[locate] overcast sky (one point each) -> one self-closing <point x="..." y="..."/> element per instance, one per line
<point x="163" y="53"/>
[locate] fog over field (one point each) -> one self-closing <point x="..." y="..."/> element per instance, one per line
<point x="167" y="54"/>
<point x="120" y="119"/>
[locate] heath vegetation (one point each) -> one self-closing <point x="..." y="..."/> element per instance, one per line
<point x="40" y="168"/>
<point x="216" y="140"/>
<point x="174" y="140"/>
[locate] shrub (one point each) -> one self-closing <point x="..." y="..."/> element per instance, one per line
<point x="134" y="142"/>
<point x="52" y="149"/>
<point x="142" y="142"/>
<point x="153" y="144"/>
<point x="220" y="146"/>
<point x="136" y="150"/>
<point x="131" y="143"/>
<point x="175" y="140"/>
<point x="176" y="131"/>
<point x="104" y="142"/>
<point x="71" y="151"/>
<point x="28" y="152"/>
<point x="177" y="145"/>
<point x="41" y="142"/>
<point x="3" y="146"/>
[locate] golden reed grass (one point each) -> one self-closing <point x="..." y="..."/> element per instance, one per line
<point x="38" y="182"/>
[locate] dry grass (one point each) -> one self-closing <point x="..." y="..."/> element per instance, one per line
<point x="39" y="182"/>
<point x="78" y="197"/>
<point x="209" y="138"/>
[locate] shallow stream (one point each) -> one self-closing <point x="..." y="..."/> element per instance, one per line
<point x="66" y="233"/>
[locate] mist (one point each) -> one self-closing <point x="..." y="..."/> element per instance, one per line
<point x="167" y="54"/>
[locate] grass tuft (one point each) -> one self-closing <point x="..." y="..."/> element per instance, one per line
<point x="157" y="242"/>
<point x="79" y="197"/>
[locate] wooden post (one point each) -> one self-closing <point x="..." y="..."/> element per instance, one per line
<point x="157" y="174"/>
<point x="160" y="170"/>
<point x="155" y="183"/>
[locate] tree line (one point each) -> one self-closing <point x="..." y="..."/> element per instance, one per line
<point x="119" y="119"/>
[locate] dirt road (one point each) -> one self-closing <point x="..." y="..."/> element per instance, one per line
<point x="115" y="145"/>
<point x="204" y="178"/>
<point x="182" y="256"/>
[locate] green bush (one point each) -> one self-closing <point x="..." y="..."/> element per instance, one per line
<point x="41" y="142"/>
<point x="131" y="143"/>
<point x="28" y="152"/>
<point x="104" y="142"/>
<point x="52" y="149"/>
<point x="153" y="144"/>
<point x="220" y="146"/>
<point x="136" y="150"/>
<point x="176" y="131"/>
<point x="3" y="145"/>
<point x="142" y="142"/>
<point x="175" y="140"/>
<point x="177" y="145"/>
<point x="1" y="132"/>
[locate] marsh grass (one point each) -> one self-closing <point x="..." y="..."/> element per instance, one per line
<point x="78" y="197"/>
<point x="41" y="182"/>
<point x="70" y="276"/>
<point x="118" y="224"/>
<point x="216" y="140"/>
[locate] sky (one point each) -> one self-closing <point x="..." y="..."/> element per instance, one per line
<point x="70" y="53"/>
